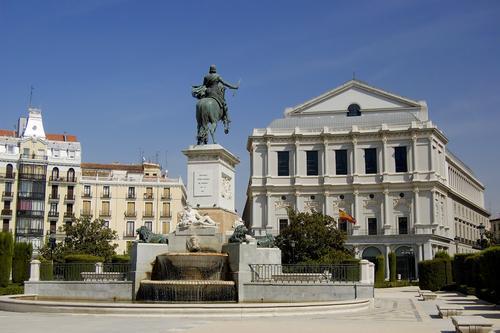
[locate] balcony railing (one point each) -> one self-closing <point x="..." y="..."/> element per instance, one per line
<point x="166" y="197"/>
<point x="29" y="232"/>
<point x="7" y="195"/>
<point x="105" y="213"/>
<point x="130" y="214"/>
<point x="129" y="234"/>
<point x="105" y="195"/>
<point x="311" y="274"/>
<point x="53" y="214"/>
<point x="30" y="213"/>
<point x="69" y="197"/>
<point x="131" y="196"/>
<point x="53" y="197"/>
<point x="148" y="196"/>
<point x="166" y="214"/>
<point x="148" y="214"/>
<point x="34" y="157"/>
<point x="85" y="212"/>
<point x="32" y="176"/>
<point x="10" y="175"/>
<point x="31" y="195"/>
<point x="6" y="212"/>
<point x="57" y="179"/>
<point x="87" y="195"/>
<point x="69" y="215"/>
<point x="84" y="271"/>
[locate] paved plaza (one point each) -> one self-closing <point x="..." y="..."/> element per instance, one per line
<point x="394" y="310"/>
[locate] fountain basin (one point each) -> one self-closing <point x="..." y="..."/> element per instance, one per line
<point x="187" y="291"/>
<point x="190" y="266"/>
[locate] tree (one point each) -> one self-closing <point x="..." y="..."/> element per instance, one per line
<point x="84" y="236"/>
<point x="312" y="238"/>
<point x="6" y="251"/>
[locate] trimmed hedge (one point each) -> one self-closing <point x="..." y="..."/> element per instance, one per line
<point x="6" y="249"/>
<point x="12" y="289"/>
<point x="82" y="258"/>
<point x="353" y="272"/>
<point x="120" y="259"/>
<point x="459" y="268"/>
<point x="434" y="274"/>
<point x="21" y="262"/>
<point x="379" y="269"/>
<point x="392" y="266"/>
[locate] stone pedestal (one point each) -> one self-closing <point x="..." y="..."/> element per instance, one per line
<point x="142" y="259"/>
<point x="210" y="173"/>
<point x="209" y="239"/>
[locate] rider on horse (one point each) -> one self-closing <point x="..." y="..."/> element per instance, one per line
<point x="214" y="86"/>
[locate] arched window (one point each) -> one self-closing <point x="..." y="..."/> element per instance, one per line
<point x="353" y="110"/>
<point x="55" y="173"/>
<point x="370" y="253"/>
<point x="71" y="175"/>
<point x="9" y="171"/>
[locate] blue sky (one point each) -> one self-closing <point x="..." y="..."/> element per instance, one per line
<point x="118" y="73"/>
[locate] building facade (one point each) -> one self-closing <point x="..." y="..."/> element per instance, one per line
<point x="378" y="157"/>
<point x="44" y="185"/>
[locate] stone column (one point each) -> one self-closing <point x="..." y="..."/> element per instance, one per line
<point x="268" y="167"/>
<point x="414" y="152"/>
<point x="269" y="216"/>
<point x="372" y="273"/>
<point x="387" y="273"/>
<point x="419" y="252"/>
<point x="384" y="156"/>
<point x="297" y="201"/>
<point x="431" y="156"/>
<point x="416" y="207"/>
<point x="417" y="259"/>
<point x="354" y="149"/>
<point x="326" y="207"/>
<point x="355" y="231"/>
<point x="35" y="270"/>
<point x="387" y="222"/>
<point x="325" y="158"/>
<point x="99" y="267"/>
<point x="296" y="159"/>
<point x="364" y="269"/>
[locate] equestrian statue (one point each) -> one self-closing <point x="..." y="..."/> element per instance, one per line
<point x="211" y="106"/>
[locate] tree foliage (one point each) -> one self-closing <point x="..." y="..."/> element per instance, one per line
<point x="6" y="251"/>
<point x="312" y="238"/>
<point x="84" y="236"/>
<point x="21" y="262"/>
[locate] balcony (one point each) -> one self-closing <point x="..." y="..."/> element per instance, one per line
<point x="69" y="197"/>
<point x="105" y="213"/>
<point x="131" y="196"/>
<point x="53" y="197"/>
<point x="87" y="195"/>
<point x="85" y="213"/>
<point x="53" y="214"/>
<point x="148" y="196"/>
<point x="166" y="214"/>
<point x="7" y="196"/>
<point x="30" y="213"/>
<point x="105" y="196"/>
<point x="8" y="176"/>
<point x="6" y="212"/>
<point x="69" y="215"/>
<point x="33" y="157"/>
<point x="148" y="214"/>
<point x="62" y="180"/>
<point x="130" y="214"/>
<point x="166" y="197"/>
<point x="32" y="176"/>
<point x="29" y="232"/>
<point x="129" y="234"/>
<point x="31" y="195"/>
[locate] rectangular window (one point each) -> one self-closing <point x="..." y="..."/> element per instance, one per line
<point x="343" y="226"/>
<point x="86" y="191"/>
<point x="105" y="208"/>
<point x="165" y="228"/>
<point x="400" y="158"/>
<point x="71" y="154"/>
<point x="283" y="224"/>
<point x="86" y="207"/>
<point x="130" y="208"/>
<point x="341" y="162"/>
<point x="312" y="162"/>
<point x="130" y="232"/>
<point x="53" y="208"/>
<point x="5" y="226"/>
<point x="53" y="227"/>
<point x="166" y="209"/>
<point x="149" y="193"/>
<point x="403" y="225"/>
<point x="131" y="193"/>
<point x="105" y="224"/>
<point x="283" y="163"/>
<point x="105" y="191"/>
<point x="372" y="226"/>
<point x="149" y="209"/>
<point x="149" y="225"/>
<point x="166" y="193"/>
<point x="370" y="160"/>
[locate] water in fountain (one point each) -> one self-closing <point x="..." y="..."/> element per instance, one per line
<point x="188" y="277"/>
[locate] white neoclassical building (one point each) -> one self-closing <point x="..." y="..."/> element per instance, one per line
<point x="377" y="156"/>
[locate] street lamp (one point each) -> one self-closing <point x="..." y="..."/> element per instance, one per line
<point x="52" y="242"/>
<point x="482" y="230"/>
<point x="292" y="243"/>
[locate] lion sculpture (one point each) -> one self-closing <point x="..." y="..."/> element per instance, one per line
<point x="147" y="236"/>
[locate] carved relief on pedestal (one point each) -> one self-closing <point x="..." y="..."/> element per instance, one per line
<point x="226" y="189"/>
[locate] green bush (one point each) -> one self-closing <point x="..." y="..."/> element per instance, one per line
<point x="379" y="269"/>
<point x="472" y="269"/>
<point x="6" y="249"/>
<point x="12" y="289"/>
<point x="21" y="262"/>
<point x="459" y="269"/>
<point x="82" y="258"/>
<point x="442" y="255"/>
<point x="392" y="266"/>
<point x="434" y="274"/>
<point x="120" y="259"/>
<point x="401" y="283"/>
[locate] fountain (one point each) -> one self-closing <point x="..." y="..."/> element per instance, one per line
<point x="188" y="277"/>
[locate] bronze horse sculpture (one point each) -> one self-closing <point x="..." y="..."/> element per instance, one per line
<point x="211" y="107"/>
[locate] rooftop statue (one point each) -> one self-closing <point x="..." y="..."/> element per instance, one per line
<point x="212" y="105"/>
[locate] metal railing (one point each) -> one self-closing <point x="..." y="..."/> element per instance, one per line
<point x="34" y="157"/>
<point x="6" y="212"/>
<point x="31" y="195"/>
<point x="166" y="214"/>
<point x="54" y="196"/>
<point x="60" y="179"/>
<point x="10" y="175"/>
<point x="84" y="272"/>
<point x="32" y="176"/>
<point x="148" y="196"/>
<point x="69" y="215"/>
<point x="69" y="197"/>
<point x="32" y="213"/>
<point x="105" y="213"/>
<point x="53" y="214"/>
<point x="313" y="274"/>
<point x="29" y="231"/>
<point x="148" y="214"/>
<point x="166" y="197"/>
<point x="7" y="195"/>
<point x="130" y="214"/>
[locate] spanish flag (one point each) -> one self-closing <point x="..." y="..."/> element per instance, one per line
<point x="343" y="216"/>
